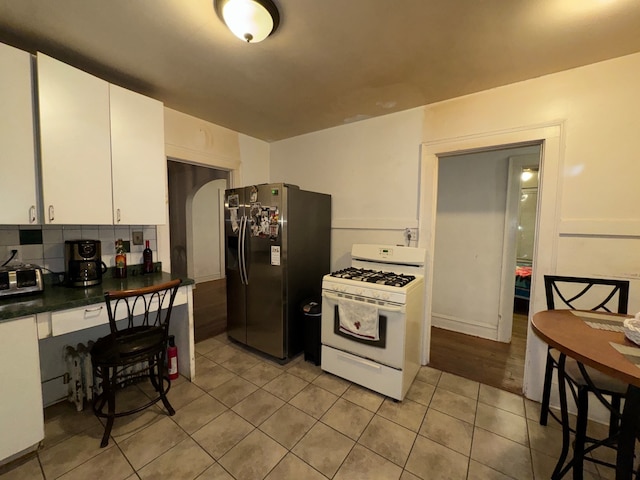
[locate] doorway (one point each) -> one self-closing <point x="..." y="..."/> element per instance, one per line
<point x="195" y="221"/>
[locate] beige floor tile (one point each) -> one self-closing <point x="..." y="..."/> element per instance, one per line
<point x="421" y="392"/>
<point x="506" y="424"/>
<point x="223" y="338"/>
<point x="364" y="397"/>
<point x="258" y="406"/>
<point x="108" y="465"/>
<point x="222" y="433"/>
<point x="151" y="442"/>
<point x="363" y="464"/>
<point x="288" y="425"/>
<point x="62" y="421"/>
<point x="305" y="370"/>
<point x="125" y="427"/>
<point x="203" y="364"/>
<point x="324" y="449"/>
<point x="448" y="431"/>
<point x="24" y="470"/>
<point x="501" y="399"/>
<point x="478" y="471"/>
<point x="285" y="386"/>
<point x="222" y="354"/>
<point x="544" y="439"/>
<point x="291" y="467"/>
<point x="532" y="409"/>
<point x="347" y="418"/>
<point x="215" y="472"/>
<point x="233" y="391"/>
<point x="183" y="393"/>
<point x="254" y="457"/>
<point x="430" y="460"/>
<point x="407" y="413"/>
<point x="314" y="400"/>
<point x="261" y="373"/>
<point x="198" y="413"/>
<point x="72" y="452"/>
<point x="409" y="476"/>
<point x="429" y="375"/>
<point x="501" y="454"/>
<point x="332" y="383"/>
<point x="185" y="461"/>
<point x="388" y="439"/>
<point x="459" y="406"/>
<point x="459" y="385"/>
<point x="213" y="377"/>
<point x="208" y="345"/>
<point x="240" y="362"/>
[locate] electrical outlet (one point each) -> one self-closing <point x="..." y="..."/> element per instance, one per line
<point x="411" y="236"/>
<point x="9" y="252"/>
<point x="137" y="238"/>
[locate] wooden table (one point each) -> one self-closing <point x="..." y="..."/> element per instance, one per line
<point x="568" y="333"/>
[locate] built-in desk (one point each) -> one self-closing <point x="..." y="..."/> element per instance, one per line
<point x="33" y="332"/>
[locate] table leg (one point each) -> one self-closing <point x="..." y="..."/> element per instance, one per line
<point x="629" y="428"/>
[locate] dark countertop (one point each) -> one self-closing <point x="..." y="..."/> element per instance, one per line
<point x="59" y="297"/>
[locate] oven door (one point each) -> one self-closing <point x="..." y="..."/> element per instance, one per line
<point x="388" y="349"/>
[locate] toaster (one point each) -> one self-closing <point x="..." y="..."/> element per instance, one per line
<point x="20" y="278"/>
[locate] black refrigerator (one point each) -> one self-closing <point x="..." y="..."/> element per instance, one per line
<point x="278" y="246"/>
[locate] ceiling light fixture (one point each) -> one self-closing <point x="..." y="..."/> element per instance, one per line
<point x="249" y="20"/>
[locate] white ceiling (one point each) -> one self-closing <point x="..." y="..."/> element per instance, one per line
<point x="330" y="61"/>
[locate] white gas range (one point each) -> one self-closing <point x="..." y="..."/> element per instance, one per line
<point x="372" y="316"/>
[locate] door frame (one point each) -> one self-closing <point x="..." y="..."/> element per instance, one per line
<point x="550" y="135"/>
<point x="507" y="285"/>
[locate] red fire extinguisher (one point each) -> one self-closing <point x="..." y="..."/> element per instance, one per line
<point x="172" y="358"/>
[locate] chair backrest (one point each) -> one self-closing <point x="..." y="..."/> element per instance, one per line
<point x="146" y="307"/>
<point x="581" y="293"/>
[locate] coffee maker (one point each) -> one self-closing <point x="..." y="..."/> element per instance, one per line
<point x="83" y="263"/>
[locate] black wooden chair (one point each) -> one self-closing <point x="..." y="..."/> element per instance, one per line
<point x="135" y="349"/>
<point x="580" y="293"/>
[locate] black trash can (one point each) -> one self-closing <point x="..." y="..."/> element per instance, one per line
<point x="311" y="314"/>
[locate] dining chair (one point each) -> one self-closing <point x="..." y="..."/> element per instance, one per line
<point x="135" y="349"/>
<point x="581" y="293"/>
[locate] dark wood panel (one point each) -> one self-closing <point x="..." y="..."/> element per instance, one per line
<point x="209" y="309"/>
<point x="498" y="364"/>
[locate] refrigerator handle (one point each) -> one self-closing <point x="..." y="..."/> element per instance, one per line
<point x="243" y="254"/>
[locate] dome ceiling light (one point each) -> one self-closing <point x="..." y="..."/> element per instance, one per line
<point x="250" y="20"/>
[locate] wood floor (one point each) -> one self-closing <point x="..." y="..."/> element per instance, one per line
<point x="498" y="364"/>
<point x="494" y="363"/>
<point x="209" y="309"/>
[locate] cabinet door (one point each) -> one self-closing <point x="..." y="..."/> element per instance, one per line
<point x="138" y="162"/>
<point x="21" y="410"/>
<point x="75" y="144"/>
<point x="17" y="153"/>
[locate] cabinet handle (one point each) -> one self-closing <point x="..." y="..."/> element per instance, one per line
<point x="32" y="214"/>
<point x="51" y="213"/>
<point x="118" y="215"/>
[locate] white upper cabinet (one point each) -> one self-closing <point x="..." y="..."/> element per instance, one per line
<point x="18" y="181"/>
<point x="138" y="161"/>
<point x="75" y="144"/>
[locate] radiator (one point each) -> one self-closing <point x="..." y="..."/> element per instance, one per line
<point x="81" y="384"/>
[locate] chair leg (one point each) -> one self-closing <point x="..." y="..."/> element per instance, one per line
<point x="109" y="392"/>
<point x="564" y="413"/>
<point x="157" y="380"/>
<point x="614" y="418"/>
<point x="581" y="433"/>
<point x="546" y="391"/>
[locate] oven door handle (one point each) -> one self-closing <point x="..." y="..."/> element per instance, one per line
<point x="383" y="308"/>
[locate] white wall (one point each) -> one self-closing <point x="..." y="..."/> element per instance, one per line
<point x="254" y="161"/>
<point x="469" y="234"/>
<point x="371" y="170"/>
<point x="597" y="223"/>
<point x="203" y="233"/>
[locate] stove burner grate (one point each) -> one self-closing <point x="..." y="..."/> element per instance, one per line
<point x="372" y="276"/>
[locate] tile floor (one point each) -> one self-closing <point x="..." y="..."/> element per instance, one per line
<point x="247" y="418"/>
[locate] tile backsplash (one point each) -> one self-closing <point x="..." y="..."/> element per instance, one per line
<point x="44" y="244"/>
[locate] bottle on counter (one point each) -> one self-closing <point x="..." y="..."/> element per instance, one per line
<point x="147" y="259"/>
<point x="121" y="260"/>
